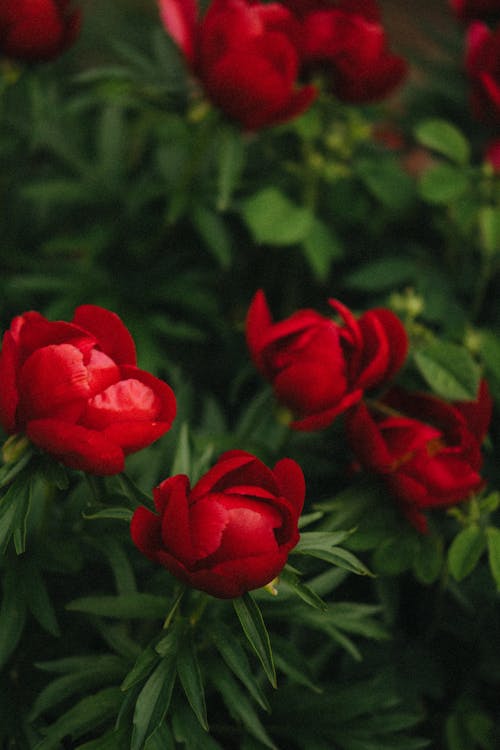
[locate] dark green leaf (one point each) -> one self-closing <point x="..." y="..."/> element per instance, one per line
<point x="12" y="615"/>
<point x="236" y="659"/>
<point x="443" y="184"/>
<point x="239" y="705"/>
<point x="154" y="700"/>
<point x="291" y="579"/>
<point x="87" y="715"/>
<point x="190" y="678"/>
<point x="147" y="606"/>
<point x="255" y="630"/>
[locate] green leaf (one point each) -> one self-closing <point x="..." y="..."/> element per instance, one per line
<point x="320" y="540"/>
<point x="182" y="458"/>
<point x="274" y="219"/>
<point x="154" y="698"/>
<point x="444" y="138"/>
<point x="493" y="541"/>
<point x="87" y="715"/>
<point x="428" y="559"/>
<point x="387" y="182"/>
<point x="231" y="160"/>
<point x="303" y="591"/>
<point x="238" y="705"/>
<point x="449" y="370"/>
<point x="38" y="600"/>
<point x="443" y="184"/>
<point x="14" y="510"/>
<point x="340" y="557"/>
<point x="161" y="739"/>
<point x="320" y="247"/>
<point x="255" y="630"/>
<point x="489" y="228"/>
<point x="116" y="514"/>
<point x="465" y="551"/>
<point x="143" y="666"/>
<point x="136" y="606"/>
<point x="395" y="554"/>
<point x="115" y="740"/>
<point x="189" y="732"/>
<point x="104" y="670"/>
<point x="236" y="659"/>
<point x="382" y="274"/>
<point x="214" y="232"/>
<point x="12" y="615"/>
<point x="190" y="678"/>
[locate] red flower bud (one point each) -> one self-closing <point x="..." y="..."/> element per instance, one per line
<point x="318" y="367"/>
<point x="37" y="30"/>
<point x="232" y="532"/>
<point x="426" y="450"/>
<point x="74" y="389"/>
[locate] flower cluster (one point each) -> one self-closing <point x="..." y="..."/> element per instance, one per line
<point x="251" y="57"/>
<point x="427" y="450"/>
<point x="37" y="31"/>
<point x="75" y="391"/>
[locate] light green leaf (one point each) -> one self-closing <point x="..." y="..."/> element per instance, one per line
<point x="116" y="513"/>
<point x="274" y="219"/>
<point x="255" y="630"/>
<point x="443" y="184"/>
<point x="489" y="228"/>
<point x="320" y="247"/>
<point x="449" y="370"/>
<point x="444" y="138"/>
<point x="493" y="541"/>
<point x="465" y="551"/>
<point x="428" y="559"/>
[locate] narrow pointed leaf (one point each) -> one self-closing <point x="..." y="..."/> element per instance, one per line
<point x="255" y="630"/>
<point x="236" y="659"/>
<point x="190" y="678"/>
<point x="153" y="701"/>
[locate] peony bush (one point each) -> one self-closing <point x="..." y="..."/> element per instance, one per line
<point x="249" y="375"/>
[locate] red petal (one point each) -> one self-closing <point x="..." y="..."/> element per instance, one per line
<point x="9" y="359"/>
<point x="179" y="19"/>
<point x="258" y="321"/>
<point x="291" y="482"/>
<point x="125" y="401"/>
<point x="145" y="530"/>
<point x="111" y="334"/>
<point x="76" y="446"/>
<point x="51" y="378"/>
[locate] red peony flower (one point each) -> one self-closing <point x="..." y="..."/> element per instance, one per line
<point x="318" y="367"/>
<point x="483" y="67"/>
<point x="245" y="54"/>
<point x="348" y="41"/>
<point x="37" y="30"/>
<point x="470" y="10"/>
<point x="428" y="451"/>
<point x="74" y="389"/>
<point x="232" y="532"/>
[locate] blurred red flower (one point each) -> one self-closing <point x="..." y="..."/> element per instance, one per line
<point x="246" y="56"/>
<point x="428" y="451"/>
<point x="37" y="30"/>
